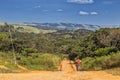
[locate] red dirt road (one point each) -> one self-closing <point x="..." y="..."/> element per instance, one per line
<point x="60" y="75"/>
<point x="68" y="73"/>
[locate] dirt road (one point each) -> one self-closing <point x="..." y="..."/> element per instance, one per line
<point x="68" y="73"/>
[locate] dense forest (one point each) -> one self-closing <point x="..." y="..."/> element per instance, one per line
<point x="97" y="50"/>
<point x="57" y="42"/>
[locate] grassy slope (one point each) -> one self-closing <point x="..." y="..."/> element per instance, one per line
<point x="30" y="29"/>
<point x="6" y="60"/>
<point x="2" y="23"/>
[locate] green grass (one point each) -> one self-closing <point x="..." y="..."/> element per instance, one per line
<point x="6" y="58"/>
<point x="100" y="63"/>
<point x="28" y="29"/>
<point x="35" y="61"/>
<point x="41" y="61"/>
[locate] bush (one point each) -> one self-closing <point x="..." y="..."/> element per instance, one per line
<point x="41" y="61"/>
<point x="87" y="63"/>
<point x="104" y="62"/>
<point x="115" y="60"/>
<point x="105" y="51"/>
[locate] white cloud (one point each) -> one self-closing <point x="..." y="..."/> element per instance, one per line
<point x="60" y="10"/>
<point x="88" y="13"/>
<point x="38" y="6"/>
<point x="83" y="13"/>
<point x="94" y="13"/>
<point x="81" y="1"/>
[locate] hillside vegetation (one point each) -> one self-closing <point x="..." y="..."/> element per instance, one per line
<point x="34" y="61"/>
<point x="34" y="51"/>
<point x="98" y="50"/>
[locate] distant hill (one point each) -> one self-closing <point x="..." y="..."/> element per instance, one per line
<point x="68" y="26"/>
<point x="62" y="26"/>
<point x="71" y="34"/>
<point x="30" y="29"/>
<point x="21" y="27"/>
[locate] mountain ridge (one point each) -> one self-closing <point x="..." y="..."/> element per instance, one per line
<point x="62" y="26"/>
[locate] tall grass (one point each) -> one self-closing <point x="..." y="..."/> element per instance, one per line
<point x="34" y="61"/>
<point x="114" y="71"/>
<point x="99" y="63"/>
<point x="41" y="61"/>
<point x="6" y="58"/>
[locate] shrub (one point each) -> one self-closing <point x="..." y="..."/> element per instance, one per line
<point x="105" y="51"/>
<point x="87" y="63"/>
<point x="104" y="62"/>
<point x="115" y="60"/>
<point x="41" y="62"/>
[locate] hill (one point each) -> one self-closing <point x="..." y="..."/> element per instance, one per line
<point x="20" y="27"/>
<point x="64" y="26"/>
<point x="103" y="38"/>
<point x="99" y="50"/>
<point x="31" y="29"/>
<point x="70" y="26"/>
<point x="60" y="26"/>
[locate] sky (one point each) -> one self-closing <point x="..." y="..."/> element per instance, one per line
<point x="102" y="12"/>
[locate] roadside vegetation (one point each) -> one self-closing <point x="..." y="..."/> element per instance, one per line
<point x="114" y="71"/>
<point x="34" y="61"/>
<point x="40" y="61"/>
<point x="98" y="50"/>
<point x="100" y="63"/>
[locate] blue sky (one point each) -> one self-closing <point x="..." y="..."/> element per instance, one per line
<point x="103" y="12"/>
